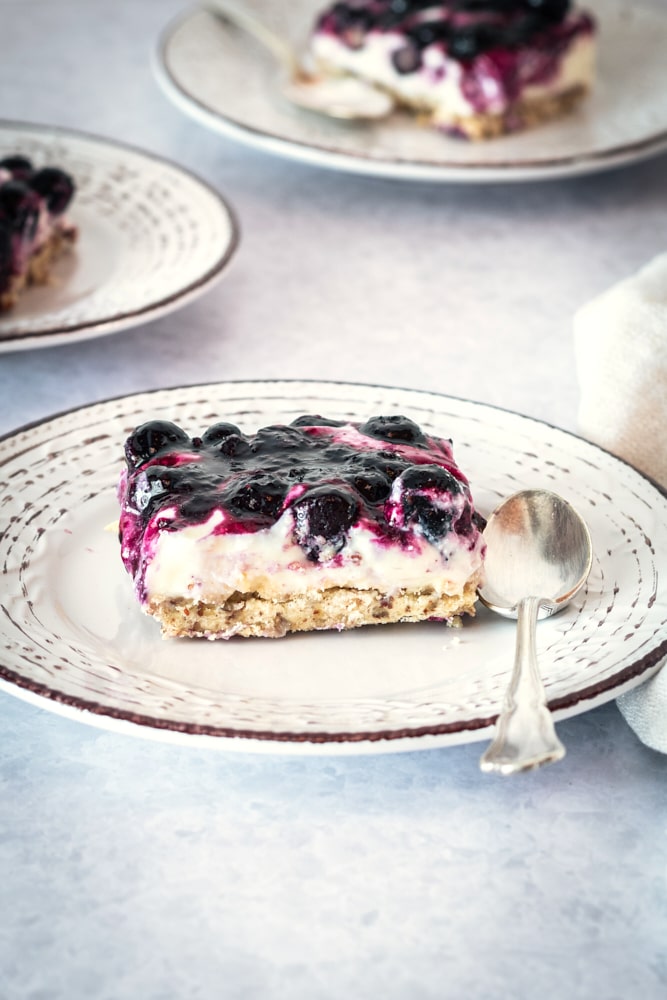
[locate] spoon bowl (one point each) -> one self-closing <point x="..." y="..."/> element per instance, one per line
<point x="342" y="97"/>
<point x="538" y="556"/>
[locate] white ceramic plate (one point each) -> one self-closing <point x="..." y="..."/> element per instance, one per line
<point x="73" y="639"/>
<point x="226" y="81"/>
<point x="151" y="238"/>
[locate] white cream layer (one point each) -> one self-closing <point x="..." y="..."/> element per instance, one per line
<point x="436" y="86"/>
<point x="195" y="563"/>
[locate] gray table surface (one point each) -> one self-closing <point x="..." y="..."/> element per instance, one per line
<point x="131" y="869"/>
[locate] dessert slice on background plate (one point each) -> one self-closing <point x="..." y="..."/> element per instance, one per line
<point x="34" y="229"/>
<point x="320" y="524"/>
<point x="474" y="68"/>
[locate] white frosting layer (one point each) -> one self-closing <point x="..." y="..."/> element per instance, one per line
<point x="196" y="563"/>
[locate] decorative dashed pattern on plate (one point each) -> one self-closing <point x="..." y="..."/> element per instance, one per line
<point x="151" y="237"/>
<point x="72" y="635"/>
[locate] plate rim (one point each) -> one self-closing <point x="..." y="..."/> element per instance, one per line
<point x="51" y="336"/>
<point x="621" y="680"/>
<point x="510" y="171"/>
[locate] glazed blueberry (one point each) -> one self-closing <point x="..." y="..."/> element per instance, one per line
<point x="315" y="420"/>
<point x="467" y="43"/>
<point x="156" y="481"/>
<point x="550" y="10"/>
<point x="385" y="462"/>
<point x="322" y="517"/>
<point x="407" y="59"/>
<point x="219" y="432"/>
<point x="261" y="494"/>
<point x="430" y="477"/>
<point x="278" y="438"/>
<point x="55" y="186"/>
<point x="394" y="428"/>
<point x="234" y="446"/>
<point x="20" y="167"/>
<point x="151" y="438"/>
<point x="373" y="486"/>
<point x="421" y="507"/>
<point x="19" y="208"/>
<point x="5" y="251"/>
<point x="428" y="32"/>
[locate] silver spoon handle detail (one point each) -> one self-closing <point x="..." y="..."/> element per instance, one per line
<point x="525" y="737"/>
<point x="242" y="18"/>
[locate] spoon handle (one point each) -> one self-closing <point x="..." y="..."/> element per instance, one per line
<point x="240" y="16"/>
<point x="525" y="737"/>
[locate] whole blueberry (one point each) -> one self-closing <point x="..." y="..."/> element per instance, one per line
<point x="19" y="208"/>
<point x="322" y="518"/>
<point x="550" y="10"/>
<point x="393" y="428"/>
<point x="373" y="486"/>
<point x="278" y="439"/>
<point x="422" y="500"/>
<point x="55" y="187"/>
<point x="261" y="494"/>
<point x="315" y="420"/>
<point x="152" y="438"/>
<point x="219" y="432"/>
<point x="430" y="477"/>
<point x="20" y="167"/>
<point x="407" y="59"/>
<point x="466" y="43"/>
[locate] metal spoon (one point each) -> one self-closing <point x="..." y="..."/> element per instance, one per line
<point x="538" y="556"/>
<point x="341" y="97"/>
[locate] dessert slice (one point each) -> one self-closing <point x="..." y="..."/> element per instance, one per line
<point x="34" y="230"/>
<point x="321" y="524"/>
<point x="474" y="68"/>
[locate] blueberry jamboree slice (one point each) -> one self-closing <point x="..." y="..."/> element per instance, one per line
<point x="34" y="230"/>
<point x="473" y="68"/>
<point x="319" y="524"/>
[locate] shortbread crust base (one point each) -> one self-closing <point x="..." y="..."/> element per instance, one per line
<point x="335" y="608"/>
<point x="523" y="115"/>
<point x="39" y="266"/>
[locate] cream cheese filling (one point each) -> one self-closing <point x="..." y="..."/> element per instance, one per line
<point x="195" y="563"/>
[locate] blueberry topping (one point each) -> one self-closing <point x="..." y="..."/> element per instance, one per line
<point x="322" y="517"/>
<point x="55" y="186"/>
<point x="152" y="438"/>
<point x="343" y="477"/>
<point x="394" y="428"/>
<point x="20" y="167"/>
<point x="19" y="208"/>
<point x="6" y="255"/>
<point x="261" y="494"/>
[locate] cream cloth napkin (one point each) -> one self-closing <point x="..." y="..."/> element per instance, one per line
<point x="620" y="343"/>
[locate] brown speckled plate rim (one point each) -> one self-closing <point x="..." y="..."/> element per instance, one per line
<point x="628" y="675"/>
<point x="119" y="321"/>
<point x="397" y="168"/>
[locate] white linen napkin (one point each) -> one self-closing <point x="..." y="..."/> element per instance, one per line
<point x="620" y="344"/>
